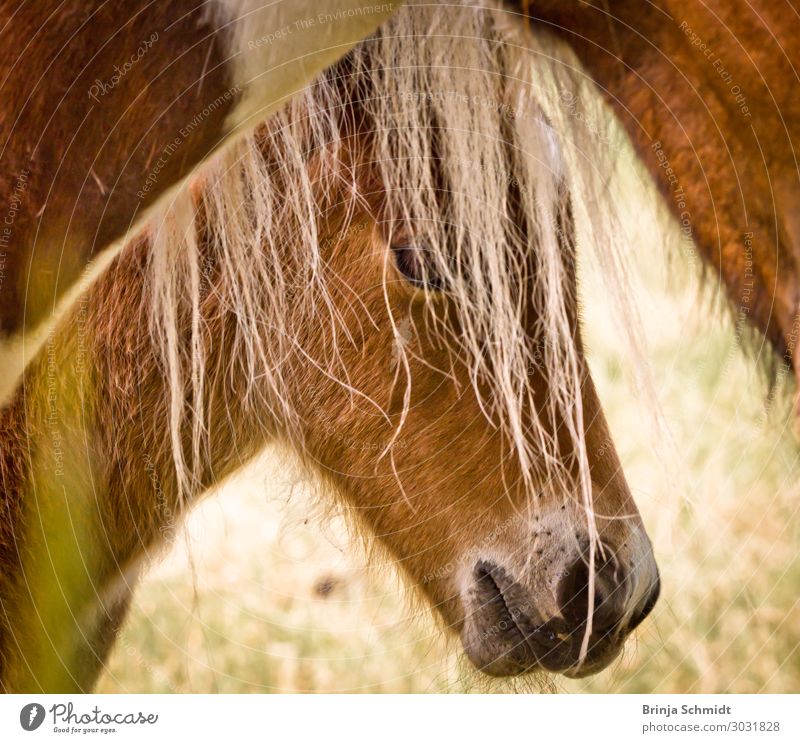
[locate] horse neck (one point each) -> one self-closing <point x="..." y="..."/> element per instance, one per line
<point x="84" y="442"/>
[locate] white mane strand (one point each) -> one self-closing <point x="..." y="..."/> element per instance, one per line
<point x="458" y="94"/>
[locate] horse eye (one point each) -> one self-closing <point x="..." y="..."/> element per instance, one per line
<point x="415" y="264"/>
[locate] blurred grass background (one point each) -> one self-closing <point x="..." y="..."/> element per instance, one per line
<point x="257" y="597"/>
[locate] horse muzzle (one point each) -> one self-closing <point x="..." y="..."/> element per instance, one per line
<point x="513" y="626"/>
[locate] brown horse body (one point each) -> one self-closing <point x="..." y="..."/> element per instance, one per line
<point x="707" y="92"/>
<point x="385" y="283"/>
<point x="105" y="108"/>
<point x="704" y="90"/>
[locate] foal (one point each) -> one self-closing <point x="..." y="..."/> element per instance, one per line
<point x="384" y="279"/>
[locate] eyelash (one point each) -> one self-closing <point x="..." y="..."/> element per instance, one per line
<point x="410" y="262"/>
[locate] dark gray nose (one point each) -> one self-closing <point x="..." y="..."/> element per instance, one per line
<point x="611" y="609"/>
<point x="509" y="633"/>
<point x="610" y="595"/>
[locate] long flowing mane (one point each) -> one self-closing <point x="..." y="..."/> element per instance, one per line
<point x="474" y="146"/>
<point x="430" y="371"/>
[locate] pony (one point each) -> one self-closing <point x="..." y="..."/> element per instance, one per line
<point x="706" y="94"/>
<point x="384" y="279"/>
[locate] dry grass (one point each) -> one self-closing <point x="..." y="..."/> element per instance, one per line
<point x="259" y="606"/>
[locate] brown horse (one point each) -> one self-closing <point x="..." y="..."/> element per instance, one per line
<point x="707" y="93"/>
<point x="107" y="107"/>
<point x="383" y="280"/>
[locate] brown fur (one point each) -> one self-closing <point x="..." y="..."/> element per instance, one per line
<point x="737" y="167"/>
<point x="482" y="467"/>
<point x="455" y="485"/>
<point x="83" y="160"/>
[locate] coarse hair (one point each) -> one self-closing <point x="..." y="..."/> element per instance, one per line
<point x="478" y="130"/>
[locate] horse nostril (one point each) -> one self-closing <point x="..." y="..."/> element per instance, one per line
<point x="487" y="582"/>
<point x="573" y="593"/>
<point x="609" y="596"/>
